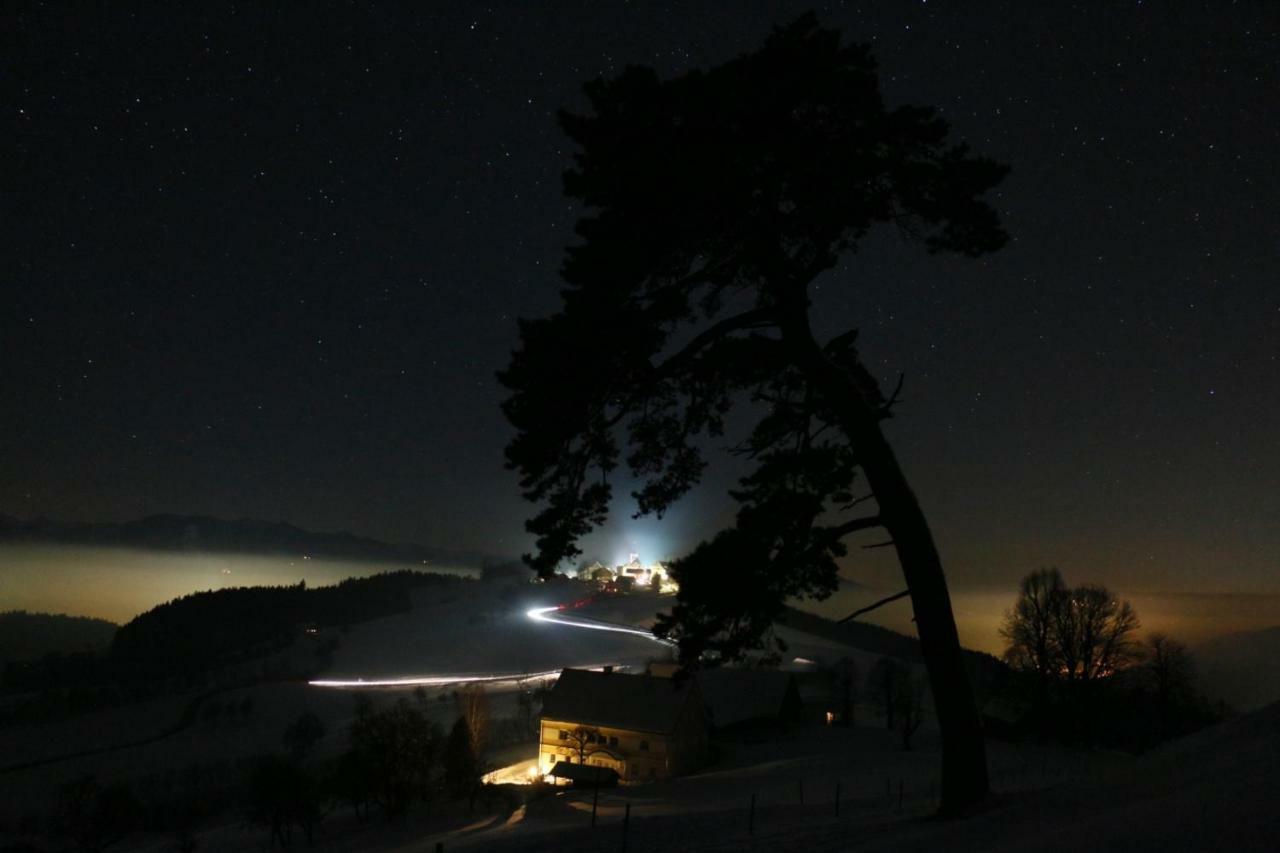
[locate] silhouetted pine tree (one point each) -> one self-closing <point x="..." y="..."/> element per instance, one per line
<point x="713" y="201"/>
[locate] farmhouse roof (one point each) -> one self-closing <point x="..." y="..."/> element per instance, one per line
<point x="737" y="695"/>
<point x="617" y="700"/>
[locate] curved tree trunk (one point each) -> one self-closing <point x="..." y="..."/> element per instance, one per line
<point x="964" y="758"/>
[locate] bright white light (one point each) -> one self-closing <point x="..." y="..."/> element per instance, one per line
<point x="435" y="680"/>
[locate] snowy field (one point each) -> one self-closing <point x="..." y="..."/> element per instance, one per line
<point x="1214" y="791"/>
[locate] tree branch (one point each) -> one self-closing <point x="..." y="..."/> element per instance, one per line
<point x="886" y="544"/>
<point x="881" y="603"/>
<point x="851" y="504"/>
<point x="707" y="273"/>
<point x="747" y="319"/>
<point x="842" y="530"/>
<point x="886" y="408"/>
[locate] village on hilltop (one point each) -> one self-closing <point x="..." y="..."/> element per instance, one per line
<point x="629" y="576"/>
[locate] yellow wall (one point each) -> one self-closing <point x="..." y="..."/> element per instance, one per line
<point x="551" y="749"/>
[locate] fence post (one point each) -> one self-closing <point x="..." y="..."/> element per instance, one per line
<point x="751" y="817"/>
<point x="595" y="797"/>
<point x="626" y="826"/>
<point x="837" y="798"/>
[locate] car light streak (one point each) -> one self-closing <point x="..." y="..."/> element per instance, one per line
<point x="545" y="614"/>
<point x="435" y="680"/>
<point x="554" y="615"/>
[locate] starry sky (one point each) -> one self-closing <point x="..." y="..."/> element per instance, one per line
<point x="265" y="263"/>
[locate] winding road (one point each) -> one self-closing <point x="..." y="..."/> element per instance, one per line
<point x="554" y="615"/>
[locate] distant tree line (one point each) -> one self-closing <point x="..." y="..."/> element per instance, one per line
<point x="186" y="641"/>
<point x="38" y="650"/>
<point x="28" y="636"/>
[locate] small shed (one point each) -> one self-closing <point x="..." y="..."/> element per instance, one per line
<point x="585" y="775"/>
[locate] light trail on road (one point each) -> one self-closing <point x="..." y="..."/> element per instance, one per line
<point x="551" y="615"/>
<point x="543" y="614"/>
<point x="435" y="680"/>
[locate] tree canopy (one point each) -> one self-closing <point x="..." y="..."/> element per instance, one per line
<point x="1071" y="635"/>
<point x="713" y="200"/>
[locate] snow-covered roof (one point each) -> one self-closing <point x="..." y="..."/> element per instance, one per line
<point x="617" y="700"/>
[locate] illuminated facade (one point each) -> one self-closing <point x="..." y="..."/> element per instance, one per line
<point x="640" y="726"/>
<point x="653" y="576"/>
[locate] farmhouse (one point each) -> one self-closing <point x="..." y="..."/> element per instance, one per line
<point x="639" y="726"/>
<point x="597" y="572"/>
<point x="750" y="699"/>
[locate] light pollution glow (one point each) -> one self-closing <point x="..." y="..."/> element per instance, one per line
<point x="119" y="583"/>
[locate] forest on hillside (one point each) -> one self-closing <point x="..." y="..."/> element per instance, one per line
<point x="205" y="630"/>
<point x="188" y="641"/>
<point x="29" y="636"/>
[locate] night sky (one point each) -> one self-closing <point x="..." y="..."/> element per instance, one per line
<point x="265" y="264"/>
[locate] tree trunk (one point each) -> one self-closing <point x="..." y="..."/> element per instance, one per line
<point x="964" y="759"/>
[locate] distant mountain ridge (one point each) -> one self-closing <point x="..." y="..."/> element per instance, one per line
<point x="171" y="532"/>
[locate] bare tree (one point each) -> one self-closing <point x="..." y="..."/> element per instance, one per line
<point x="1094" y="634"/>
<point x="909" y="701"/>
<point x="1171" y="671"/>
<point x="1072" y="635"/>
<point x="884" y="678"/>
<point x="846" y="672"/>
<point x="1029" y="626"/>
<point x="473" y="706"/>
<point x="528" y="701"/>
<point x="581" y="737"/>
<point x="302" y="734"/>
